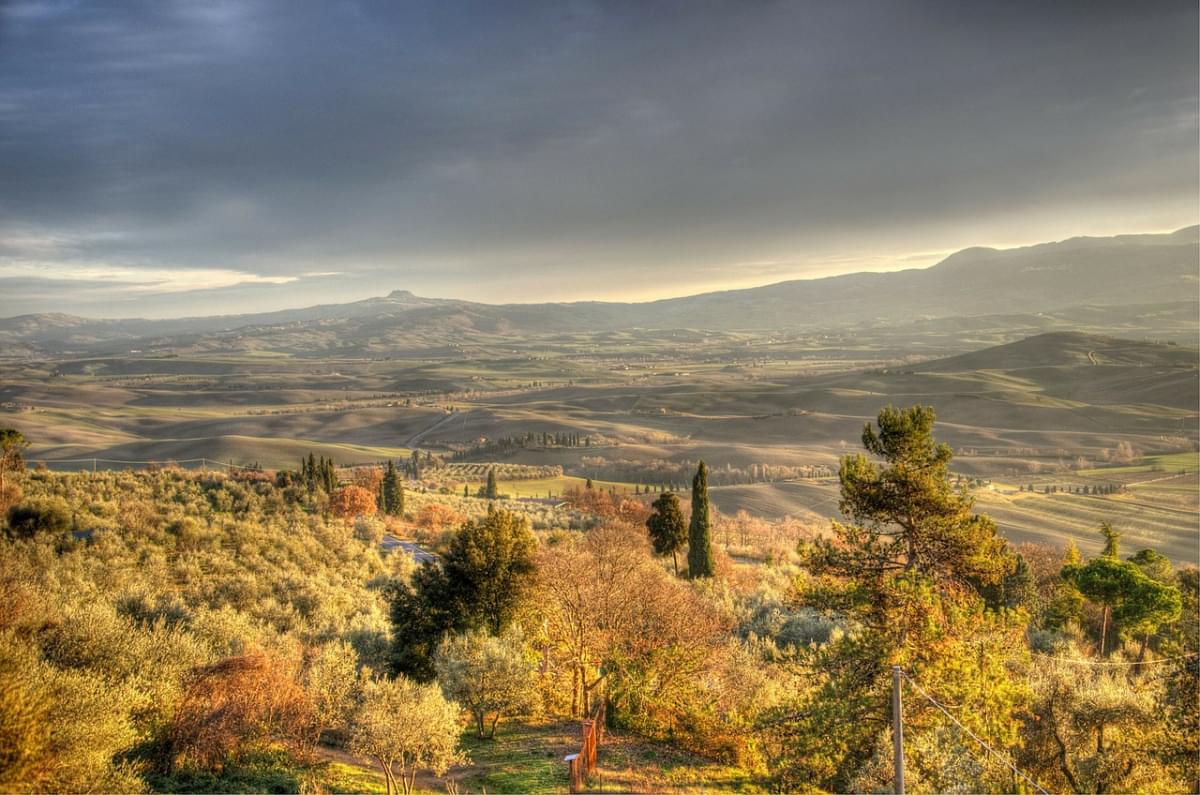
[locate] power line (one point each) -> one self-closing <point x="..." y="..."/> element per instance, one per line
<point x="1108" y="663"/>
<point x="164" y="462"/>
<point x="972" y="734"/>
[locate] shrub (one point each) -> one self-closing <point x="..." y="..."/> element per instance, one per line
<point x="27" y="519"/>
<point x="488" y="675"/>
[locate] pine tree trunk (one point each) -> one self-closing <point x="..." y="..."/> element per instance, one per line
<point x="1104" y="634"/>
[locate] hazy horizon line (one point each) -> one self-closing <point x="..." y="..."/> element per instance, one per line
<point x="709" y="289"/>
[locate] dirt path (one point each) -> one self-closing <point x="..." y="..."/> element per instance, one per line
<point x="416" y="438"/>
<point x="426" y="782"/>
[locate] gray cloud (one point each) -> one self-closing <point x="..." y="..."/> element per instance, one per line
<point x="522" y="151"/>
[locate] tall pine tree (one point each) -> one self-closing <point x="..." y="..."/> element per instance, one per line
<point x="700" y="551"/>
<point x="906" y="567"/>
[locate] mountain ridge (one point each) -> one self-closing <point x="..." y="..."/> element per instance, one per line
<point x="1078" y="271"/>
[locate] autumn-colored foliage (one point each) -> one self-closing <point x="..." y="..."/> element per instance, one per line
<point x="350" y="501"/>
<point x="437" y="517"/>
<point x="369" y="478"/>
<point x="236" y="704"/>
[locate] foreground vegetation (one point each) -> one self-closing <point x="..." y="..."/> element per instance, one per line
<point x="186" y="631"/>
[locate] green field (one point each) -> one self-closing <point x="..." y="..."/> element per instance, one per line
<point x="1170" y="463"/>
<point x="527" y="757"/>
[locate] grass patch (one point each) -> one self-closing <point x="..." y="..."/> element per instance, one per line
<point x="527" y="757"/>
<point x="341" y="778"/>
<point x="266" y="772"/>
<point x="1171" y="462"/>
<point x="631" y="764"/>
<point x="524" y="757"/>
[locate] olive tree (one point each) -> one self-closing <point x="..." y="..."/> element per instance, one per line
<point x="406" y="727"/>
<point x="331" y="680"/>
<point x="490" y="676"/>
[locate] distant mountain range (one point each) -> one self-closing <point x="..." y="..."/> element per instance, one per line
<point x="1082" y="272"/>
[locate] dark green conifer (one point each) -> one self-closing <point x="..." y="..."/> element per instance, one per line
<point x="391" y="491"/>
<point x="700" y="552"/>
<point x="668" y="532"/>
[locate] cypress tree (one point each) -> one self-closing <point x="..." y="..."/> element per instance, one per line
<point x="391" y="491"/>
<point x="700" y="552"/>
<point x="328" y="475"/>
<point x="492" y="492"/>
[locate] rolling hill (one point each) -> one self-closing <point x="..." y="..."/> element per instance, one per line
<point x="1067" y="349"/>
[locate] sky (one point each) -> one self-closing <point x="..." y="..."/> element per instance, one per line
<point x="184" y="158"/>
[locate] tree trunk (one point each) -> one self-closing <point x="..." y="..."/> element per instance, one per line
<point x="575" y="688"/>
<point x="387" y="775"/>
<point x="1104" y="633"/>
<point x="675" y="561"/>
<point x="492" y="733"/>
<point x="1063" y="762"/>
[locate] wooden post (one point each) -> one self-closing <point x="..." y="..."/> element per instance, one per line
<point x="897" y="730"/>
<point x="574" y="774"/>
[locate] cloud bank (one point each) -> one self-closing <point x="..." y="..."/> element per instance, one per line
<point x="161" y="157"/>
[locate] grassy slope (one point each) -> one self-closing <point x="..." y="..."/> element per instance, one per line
<point x="527" y="757"/>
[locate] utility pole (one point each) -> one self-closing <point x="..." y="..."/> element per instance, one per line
<point x="897" y="730"/>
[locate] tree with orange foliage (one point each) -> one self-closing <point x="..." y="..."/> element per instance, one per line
<point x="592" y="501"/>
<point x="633" y="512"/>
<point x="236" y="704"/>
<point x="369" y="478"/>
<point x="436" y="517"/>
<point x="350" y="501"/>
<point x="613" y="614"/>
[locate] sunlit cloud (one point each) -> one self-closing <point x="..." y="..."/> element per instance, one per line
<point x="133" y="280"/>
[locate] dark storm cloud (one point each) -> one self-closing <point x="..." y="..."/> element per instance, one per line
<point x="504" y="150"/>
